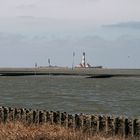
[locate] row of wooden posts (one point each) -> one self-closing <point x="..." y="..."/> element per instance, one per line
<point x="110" y="125"/>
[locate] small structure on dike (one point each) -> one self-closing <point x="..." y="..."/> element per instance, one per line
<point x="83" y="63"/>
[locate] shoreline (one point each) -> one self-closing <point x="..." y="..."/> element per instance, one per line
<point x="89" y="72"/>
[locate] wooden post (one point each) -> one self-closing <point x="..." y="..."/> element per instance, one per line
<point x="5" y="110"/>
<point x="81" y="122"/>
<point x="74" y="123"/>
<point x="87" y="124"/>
<point x="57" y="117"/>
<point x="94" y="123"/>
<point x="35" y="116"/>
<point x="98" y="124"/>
<point x="114" y="125"/>
<point x="106" y="124"/>
<point x="64" y="119"/>
<point x="133" y="127"/>
<point x="29" y="116"/>
<point x="51" y="116"/>
<point x="124" y="127"/>
<point x="70" y="121"/>
<point x="11" y="114"/>
<point x="90" y="128"/>
<point x="137" y="128"/>
<point x="23" y="115"/>
<point x="42" y="116"/>
<point x="17" y="114"/>
<point x="1" y="114"/>
<point x="102" y="123"/>
<point x="77" y="121"/>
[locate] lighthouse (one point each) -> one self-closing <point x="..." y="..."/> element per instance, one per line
<point x="83" y="63"/>
<point x="83" y="60"/>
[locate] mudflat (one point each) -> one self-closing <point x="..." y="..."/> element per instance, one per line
<point x="93" y="72"/>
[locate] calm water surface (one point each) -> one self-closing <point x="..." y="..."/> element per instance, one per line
<point x="73" y="94"/>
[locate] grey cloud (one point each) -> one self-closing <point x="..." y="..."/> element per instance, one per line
<point x="26" y="6"/>
<point x="134" y="25"/>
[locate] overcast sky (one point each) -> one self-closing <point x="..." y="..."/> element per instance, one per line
<point x="93" y="10"/>
<point x="35" y="30"/>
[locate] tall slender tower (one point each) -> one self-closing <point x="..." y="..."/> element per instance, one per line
<point x="83" y="60"/>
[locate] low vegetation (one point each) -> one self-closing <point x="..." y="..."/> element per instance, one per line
<point x="20" y="131"/>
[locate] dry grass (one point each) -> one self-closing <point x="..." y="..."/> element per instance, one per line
<point x="20" y="131"/>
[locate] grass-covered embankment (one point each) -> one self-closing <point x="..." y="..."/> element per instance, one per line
<point x="20" y="131"/>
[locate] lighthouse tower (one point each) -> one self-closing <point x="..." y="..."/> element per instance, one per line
<point x="83" y="63"/>
<point x="83" y="60"/>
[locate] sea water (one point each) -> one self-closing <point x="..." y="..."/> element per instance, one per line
<point x="72" y="94"/>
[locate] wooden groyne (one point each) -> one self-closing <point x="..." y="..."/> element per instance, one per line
<point x="92" y="124"/>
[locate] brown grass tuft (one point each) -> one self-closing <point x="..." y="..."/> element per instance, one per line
<point x="20" y="131"/>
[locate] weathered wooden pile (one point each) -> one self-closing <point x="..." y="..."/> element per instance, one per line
<point x="110" y="125"/>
